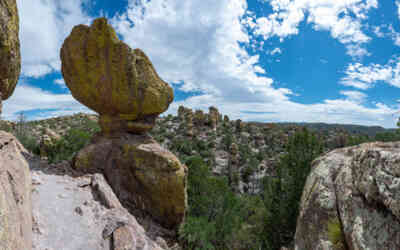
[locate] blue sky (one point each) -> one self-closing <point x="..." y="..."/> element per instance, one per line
<point x="335" y="61"/>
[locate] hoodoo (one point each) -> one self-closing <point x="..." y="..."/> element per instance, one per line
<point x="122" y="85"/>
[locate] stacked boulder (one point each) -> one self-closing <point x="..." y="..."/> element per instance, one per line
<point x="10" y="56"/>
<point x="189" y="122"/>
<point x="214" y="117"/>
<point x="122" y="85"/>
<point x="199" y="118"/>
<point x="239" y="125"/>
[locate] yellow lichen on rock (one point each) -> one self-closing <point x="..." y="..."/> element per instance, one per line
<point x="10" y="56"/>
<point x="141" y="172"/>
<point x="106" y="75"/>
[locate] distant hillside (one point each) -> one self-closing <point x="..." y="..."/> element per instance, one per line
<point x="352" y="129"/>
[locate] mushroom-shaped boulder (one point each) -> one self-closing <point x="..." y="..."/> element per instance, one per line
<point x="114" y="80"/>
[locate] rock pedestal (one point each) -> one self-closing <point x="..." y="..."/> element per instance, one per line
<point x="213" y="117"/>
<point x="141" y="173"/>
<point x="10" y="56"/>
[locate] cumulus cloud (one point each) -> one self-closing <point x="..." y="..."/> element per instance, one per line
<point x="343" y="18"/>
<point x="43" y="27"/>
<point x="200" y="47"/>
<point x="364" y="77"/>
<point x="206" y="49"/>
<point x="29" y="98"/>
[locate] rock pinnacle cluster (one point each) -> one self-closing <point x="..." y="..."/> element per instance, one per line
<point x="112" y="79"/>
<point x="10" y="56"/>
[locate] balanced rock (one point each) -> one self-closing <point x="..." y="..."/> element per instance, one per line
<point x="199" y="118"/>
<point x="214" y="117"/>
<point x="10" y="57"/>
<point x="189" y="122"/>
<point x="114" y="80"/>
<point x="351" y="200"/>
<point x="141" y="173"/>
<point x="15" y="195"/>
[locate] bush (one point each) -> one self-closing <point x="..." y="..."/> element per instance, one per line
<point x="68" y="145"/>
<point x="215" y="213"/>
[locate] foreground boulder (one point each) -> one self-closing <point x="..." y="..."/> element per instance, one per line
<point x="114" y="80"/>
<point x="10" y="57"/>
<point x="141" y="173"/>
<point x="15" y="195"/>
<point x="351" y="200"/>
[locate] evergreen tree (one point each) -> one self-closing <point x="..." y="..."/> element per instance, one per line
<point x="282" y="193"/>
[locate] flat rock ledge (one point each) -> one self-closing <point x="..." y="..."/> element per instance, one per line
<point x="82" y="212"/>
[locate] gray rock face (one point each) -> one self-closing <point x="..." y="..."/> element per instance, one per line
<point x="80" y="213"/>
<point x="15" y="198"/>
<point x="352" y="200"/>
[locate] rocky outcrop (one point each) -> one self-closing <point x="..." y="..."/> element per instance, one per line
<point x="10" y="56"/>
<point x="141" y="173"/>
<point x="109" y="77"/>
<point x="351" y="200"/>
<point x="214" y="117"/>
<point x="239" y="125"/>
<point x="82" y="212"/>
<point x="189" y="122"/>
<point x="15" y="195"/>
<point x="122" y="85"/>
<point x="199" y="118"/>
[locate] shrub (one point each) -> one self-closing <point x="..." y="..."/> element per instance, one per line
<point x="68" y="145"/>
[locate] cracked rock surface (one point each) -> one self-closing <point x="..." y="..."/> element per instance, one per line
<point x="81" y="212"/>
<point x="355" y="190"/>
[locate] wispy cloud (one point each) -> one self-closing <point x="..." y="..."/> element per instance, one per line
<point x="343" y="18"/>
<point x="364" y="77"/>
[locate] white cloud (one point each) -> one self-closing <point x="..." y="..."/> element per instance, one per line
<point x="44" y="25"/>
<point x="198" y="45"/>
<point x="346" y="111"/>
<point x="276" y="51"/>
<point x="343" y="18"/>
<point x="356" y="96"/>
<point x="398" y="8"/>
<point x="378" y="31"/>
<point x="28" y="98"/>
<point x="387" y="31"/>
<point x="60" y="82"/>
<point x="356" y="51"/>
<point x="363" y="77"/>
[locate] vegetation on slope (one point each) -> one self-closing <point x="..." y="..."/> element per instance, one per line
<point x="250" y="205"/>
